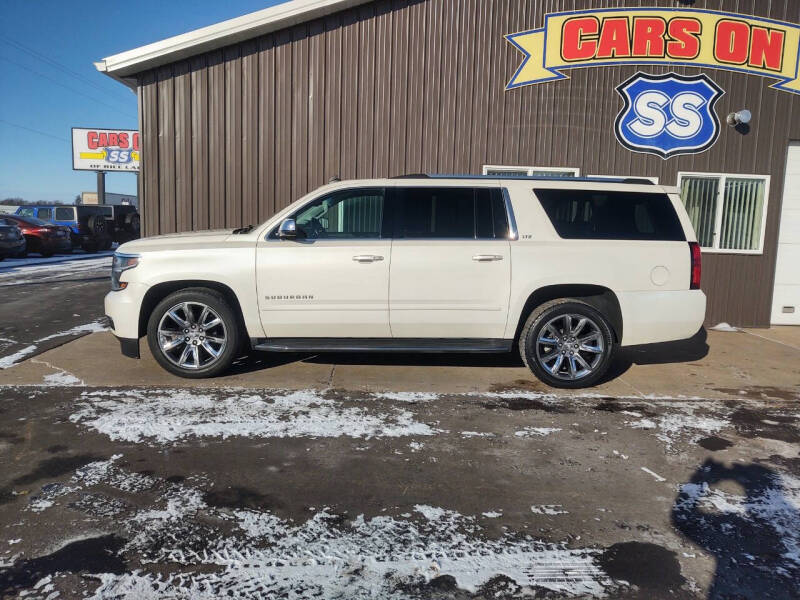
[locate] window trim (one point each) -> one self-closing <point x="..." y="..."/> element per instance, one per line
<point x="722" y="178"/>
<point x="508" y="168"/>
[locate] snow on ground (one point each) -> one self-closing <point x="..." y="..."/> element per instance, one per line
<point x="536" y="431"/>
<point x="219" y="552"/>
<point x="19" y="264"/>
<point x="169" y="416"/>
<point x="12" y="359"/>
<point x="679" y="422"/>
<point x="52" y="272"/>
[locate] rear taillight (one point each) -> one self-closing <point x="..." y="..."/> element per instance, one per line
<point x="694" y="250"/>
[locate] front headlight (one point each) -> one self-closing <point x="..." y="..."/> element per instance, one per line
<point x="121" y="262"/>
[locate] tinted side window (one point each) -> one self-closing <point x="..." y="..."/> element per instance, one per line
<point x="64" y="214"/>
<point x="45" y="214"/>
<point x="603" y="215"/>
<point x="491" y="219"/>
<point x="450" y="213"/>
<point x="436" y="212"/>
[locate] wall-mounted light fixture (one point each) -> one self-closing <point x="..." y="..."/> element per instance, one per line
<point x="742" y="117"/>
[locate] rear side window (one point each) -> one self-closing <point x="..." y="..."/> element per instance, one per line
<point x="450" y="213"/>
<point x="64" y="214"/>
<point x="45" y="213"/>
<point x="604" y="215"/>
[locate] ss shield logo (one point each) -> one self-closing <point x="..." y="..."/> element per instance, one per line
<point x="668" y="114"/>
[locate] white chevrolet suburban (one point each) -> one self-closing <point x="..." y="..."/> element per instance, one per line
<point x="567" y="270"/>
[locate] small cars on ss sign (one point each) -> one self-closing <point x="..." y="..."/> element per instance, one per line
<point x="563" y="271"/>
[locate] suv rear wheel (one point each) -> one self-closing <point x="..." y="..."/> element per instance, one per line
<point x="194" y="333"/>
<point x="567" y="343"/>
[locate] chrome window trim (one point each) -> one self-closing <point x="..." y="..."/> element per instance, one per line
<point x="513" y="234"/>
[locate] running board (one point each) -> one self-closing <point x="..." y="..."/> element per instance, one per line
<point x="381" y="345"/>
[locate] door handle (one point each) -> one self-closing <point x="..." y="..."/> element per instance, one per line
<point x="487" y="257"/>
<point x="367" y="258"/>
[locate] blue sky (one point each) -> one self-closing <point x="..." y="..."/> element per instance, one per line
<point x="48" y="83"/>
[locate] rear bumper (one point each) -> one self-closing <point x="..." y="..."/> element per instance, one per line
<point x="652" y="317"/>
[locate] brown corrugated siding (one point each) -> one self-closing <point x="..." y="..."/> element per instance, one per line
<point x="391" y="87"/>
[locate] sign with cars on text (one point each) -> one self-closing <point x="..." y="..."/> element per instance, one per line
<point x="105" y="149"/>
<point x="646" y="36"/>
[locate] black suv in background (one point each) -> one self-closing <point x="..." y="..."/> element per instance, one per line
<point x="93" y="227"/>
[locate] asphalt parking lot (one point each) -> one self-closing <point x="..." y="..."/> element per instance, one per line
<point x="359" y="476"/>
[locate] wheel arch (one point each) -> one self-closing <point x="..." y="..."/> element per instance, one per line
<point x="599" y="297"/>
<point x="160" y="291"/>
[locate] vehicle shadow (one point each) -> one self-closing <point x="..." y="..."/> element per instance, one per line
<point x="682" y="351"/>
<point x="689" y="350"/>
<point x="751" y="535"/>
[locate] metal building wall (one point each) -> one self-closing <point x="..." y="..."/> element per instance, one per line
<point x="405" y="86"/>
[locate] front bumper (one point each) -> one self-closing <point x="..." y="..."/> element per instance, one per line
<point x="123" y="308"/>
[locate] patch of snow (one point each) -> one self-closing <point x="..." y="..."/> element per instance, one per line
<point x="644" y="424"/>
<point x="94" y="327"/>
<point x="470" y="434"/>
<point x="62" y="378"/>
<point x="724" y="327"/>
<point x="407" y="396"/>
<point x="12" y="359"/>
<point x="39" y="504"/>
<point x="169" y="416"/>
<point x="548" y="509"/>
<point x="492" y="514"/>
<point x="416" y="446"/>
<point x="14" y="541"/>
<point x="536" y="431"/>
<point x="656" y="476"/>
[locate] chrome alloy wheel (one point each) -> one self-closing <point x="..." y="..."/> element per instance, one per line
<point x="570" y="346"/>
<point x="192" y="335"/>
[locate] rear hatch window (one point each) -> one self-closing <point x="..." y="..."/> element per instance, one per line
<point x="611" y="215"/>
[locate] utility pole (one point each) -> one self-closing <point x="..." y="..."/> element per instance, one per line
<point x="101" y="187"/>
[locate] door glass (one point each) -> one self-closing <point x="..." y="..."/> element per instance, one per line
<point x="436" y="212"/>
<point x="25" y="212"/>
<point x="45" y="214"/>
<point x="349" y="214"/>
<point x="64" y="214"/>
<point x="491" y="220"/>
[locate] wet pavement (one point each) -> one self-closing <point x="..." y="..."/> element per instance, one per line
<point x="376" y="476"/>
<point x="140" y="493"/>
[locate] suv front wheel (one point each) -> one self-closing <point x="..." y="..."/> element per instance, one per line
<point x="567" y="344"/>
<point x="194" y="333"/>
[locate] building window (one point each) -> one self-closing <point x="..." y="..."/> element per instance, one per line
<point x="728" y="211"/>
<point x="531" y="171"/>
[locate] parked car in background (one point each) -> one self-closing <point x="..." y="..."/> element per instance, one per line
<point x="12" y="241"/>
<point x="42" y="237"/>
<point x="89" y="225"/>
<point x="562" y="271"/>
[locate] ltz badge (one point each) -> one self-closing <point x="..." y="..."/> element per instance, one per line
<point x="668" y="115"/>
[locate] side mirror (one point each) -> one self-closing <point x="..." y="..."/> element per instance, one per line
<point x="288" y="230"/>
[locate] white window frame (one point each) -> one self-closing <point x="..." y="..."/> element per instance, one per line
<point x="651" y="179"/>
<point x="723" y="177"/>
<point x="530" y="170"/>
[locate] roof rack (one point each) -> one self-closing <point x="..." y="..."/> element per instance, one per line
<point x="628" y="180"/>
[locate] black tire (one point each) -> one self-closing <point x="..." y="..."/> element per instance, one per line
<point x="97" y="225"/>
<point x="555" y="372"/>
<point x="106" y="244"/>
<point x="90" y="247"/>
<point x="46" y="254"/>
<point x="133" y="222"/>
<point x="232" y="332"/>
